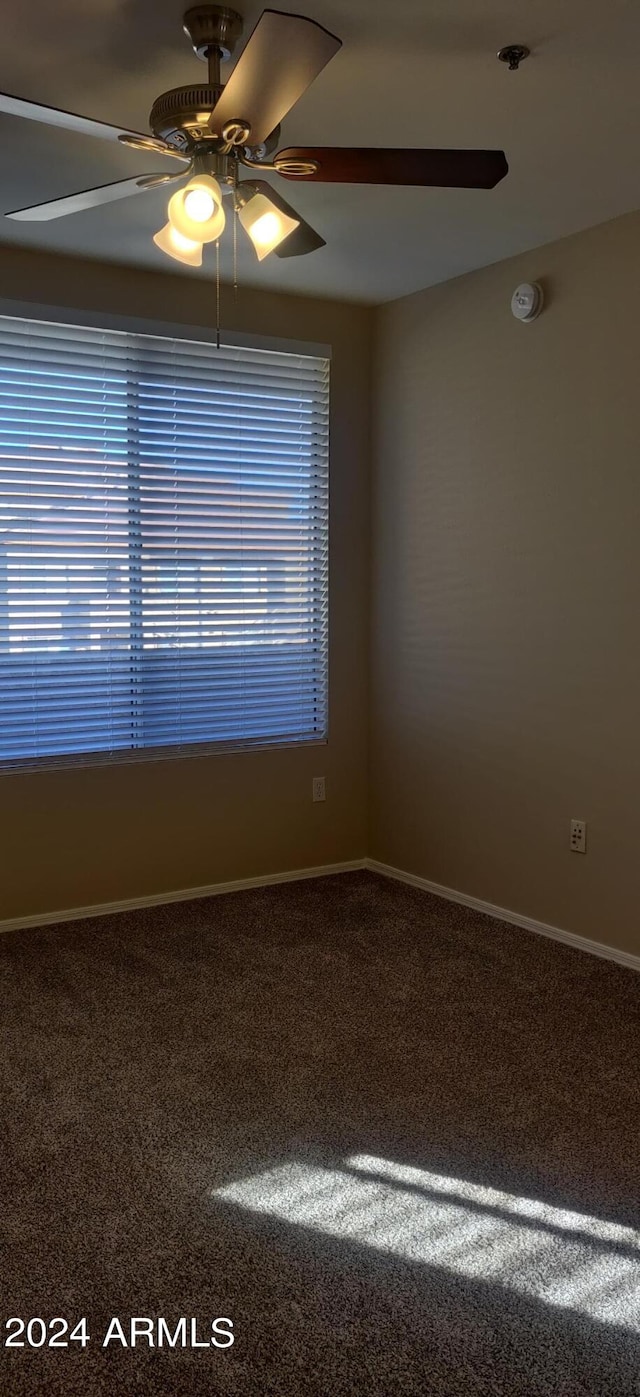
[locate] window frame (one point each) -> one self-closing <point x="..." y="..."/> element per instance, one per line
<point x="206" y="334"/>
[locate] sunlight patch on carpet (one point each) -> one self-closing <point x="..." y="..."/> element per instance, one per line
<point x="555" y="1255"/>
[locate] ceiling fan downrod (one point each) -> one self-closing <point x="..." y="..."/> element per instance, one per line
<point x="214" y="31"/>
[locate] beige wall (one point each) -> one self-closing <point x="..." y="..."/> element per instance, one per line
<point x="506" y="588"/>
<point x="506" y="565"/>
<point x="82" y="836"/>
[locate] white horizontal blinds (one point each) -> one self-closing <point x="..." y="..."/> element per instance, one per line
<point x="233" y="452"/>
<point x="163" y="544"/>
<point x="64" y="568"/>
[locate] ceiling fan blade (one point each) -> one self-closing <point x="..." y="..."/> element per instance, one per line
<point x="83" y="125"/>
<point x="90" y="198"/>
<point x="304" y="238"/>
<point x="283" y="56"/>
<point x="461" y="169"/>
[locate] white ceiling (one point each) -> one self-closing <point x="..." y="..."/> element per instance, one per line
<point x="412" y="72"/>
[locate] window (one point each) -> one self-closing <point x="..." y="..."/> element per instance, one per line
<point x="163" y="545"/>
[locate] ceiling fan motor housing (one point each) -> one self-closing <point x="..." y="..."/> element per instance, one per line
<point x="181" y="116"/>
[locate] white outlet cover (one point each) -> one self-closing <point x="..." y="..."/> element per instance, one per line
<point x="578" y="837"/>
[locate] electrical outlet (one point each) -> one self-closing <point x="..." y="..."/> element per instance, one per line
<point x="317" y="787"/>
<point x="578" y="837"/>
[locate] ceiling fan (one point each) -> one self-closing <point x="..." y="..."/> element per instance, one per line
<point x="216" y="129"/>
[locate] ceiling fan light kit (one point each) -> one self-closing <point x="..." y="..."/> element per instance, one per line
<point x="214" y="129"/>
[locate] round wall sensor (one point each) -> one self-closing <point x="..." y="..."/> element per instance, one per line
<point x="527" y="301"/>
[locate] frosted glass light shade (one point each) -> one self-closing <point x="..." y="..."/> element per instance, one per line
<point x="266" y="225"/>
<point x="169" y="240"/>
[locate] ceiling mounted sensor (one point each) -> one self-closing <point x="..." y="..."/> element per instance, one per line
<point x="513" y="55"/>
<point x="214" y="130"/>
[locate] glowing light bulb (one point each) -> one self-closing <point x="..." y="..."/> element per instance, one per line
<point x="196" y="211"/>
<point x="266" y="230"/>
<point x="198" y="204"/>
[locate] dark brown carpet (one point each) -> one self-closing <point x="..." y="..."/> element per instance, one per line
<point x="395" y="1141"/>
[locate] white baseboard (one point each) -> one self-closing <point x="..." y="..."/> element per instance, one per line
<point x="569" y="938"/>
<point x="127" y="904"/>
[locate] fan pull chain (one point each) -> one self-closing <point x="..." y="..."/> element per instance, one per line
<point x="217" y="294"/>
<point x="235" y="251"/>
<point x="236" y="210"/>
